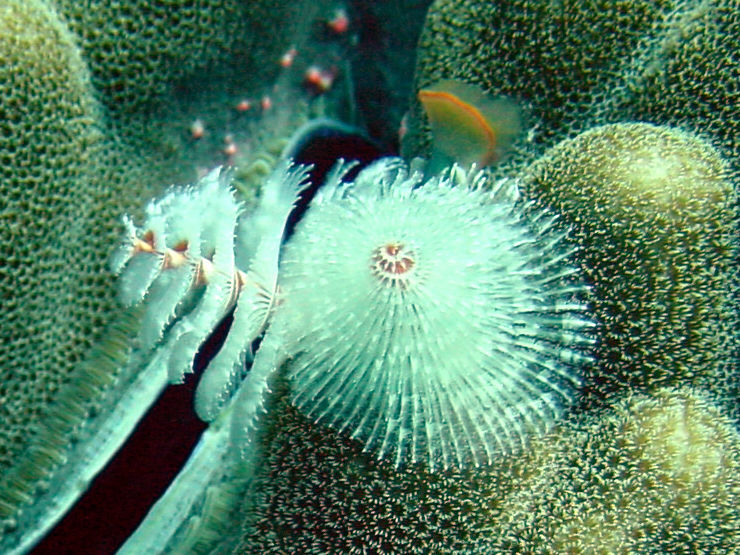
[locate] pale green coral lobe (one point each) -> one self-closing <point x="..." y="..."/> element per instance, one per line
<point x="74" y="156"/>
<point x="654" y="213"/>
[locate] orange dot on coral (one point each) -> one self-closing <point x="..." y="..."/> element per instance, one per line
<point x="286" y="60"/>
<point x="197" y="129"/>
<point x="230" y="149"/>
<point x="339" y="23"/>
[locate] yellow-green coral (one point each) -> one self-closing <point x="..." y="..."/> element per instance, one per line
<point x="86" y="132"/>
<point x="653" y="213"/>
<point x="52" y="283"/>
<point x="658" y="472"/>
<point x="655" y="474"/>
<point x="685" y="74"/>
<point x="143" y="54"/>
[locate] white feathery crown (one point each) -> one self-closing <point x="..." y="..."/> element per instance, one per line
<point x="430" y="321"/>
<point x="436" y="321"/>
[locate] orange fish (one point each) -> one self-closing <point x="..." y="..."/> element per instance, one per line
<point x="468" y="125"/>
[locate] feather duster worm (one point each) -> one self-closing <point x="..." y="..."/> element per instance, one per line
<point x="186" y="264"/>
<point x="431" y="321"/>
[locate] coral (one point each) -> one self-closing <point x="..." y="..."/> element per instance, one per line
<point x="318" y="492"/>
<point x="48" y="145"/>
<point x="140" y="53"/>
<point x="89" y="129"/>
<point x="656" y="473"/>
<point x="667" y="79"/>
<point x="577" y="65"/>
<point x="62" y="187"/>
<point x="653" y="213"/>
<point x="158" y="66"/>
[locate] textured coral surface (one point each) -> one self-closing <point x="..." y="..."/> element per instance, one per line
<point x="632" y="118"/>
<point x="632" y="140"/>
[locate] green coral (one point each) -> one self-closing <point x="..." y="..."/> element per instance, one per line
<point x="143" y="54"/>
<point x="556" y="58"/>
<point x="685" y="74"/>
<point x="574" y="65"/>
<point x="48" y="144"/>
<point x="654" y="474"/>
<point x="87" y="130"/>
<point x="652" y="212"/>
<point x="317" y="492"/>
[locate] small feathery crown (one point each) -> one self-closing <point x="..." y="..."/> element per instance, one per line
<point x="433" y="322"/>
<point x="197" y="256"/>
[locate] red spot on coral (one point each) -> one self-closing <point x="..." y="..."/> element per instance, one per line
<point x="339" y="23"/>
<point x="243" y="105"/>
<point x="286" y="60"/>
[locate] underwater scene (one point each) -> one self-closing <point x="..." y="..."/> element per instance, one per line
<point x="355" y="276"/>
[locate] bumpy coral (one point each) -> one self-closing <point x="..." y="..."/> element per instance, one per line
<point x="556" y="58"/>
<point x="140" y="52"/>
<point x="319" y="493"/>
<point x="654" y="214"/>
<point x="656" y="473"/>
<point x="685" y="74"/>
<point x="47" y="148"/>
<point x="73" y="107"/>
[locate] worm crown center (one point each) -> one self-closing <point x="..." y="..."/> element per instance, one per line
<point x="393" y="263"/>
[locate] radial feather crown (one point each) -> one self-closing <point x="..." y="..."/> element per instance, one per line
<point x="432" y="321"/>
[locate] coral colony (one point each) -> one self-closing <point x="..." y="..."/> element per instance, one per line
<point x="436" y="321"/>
